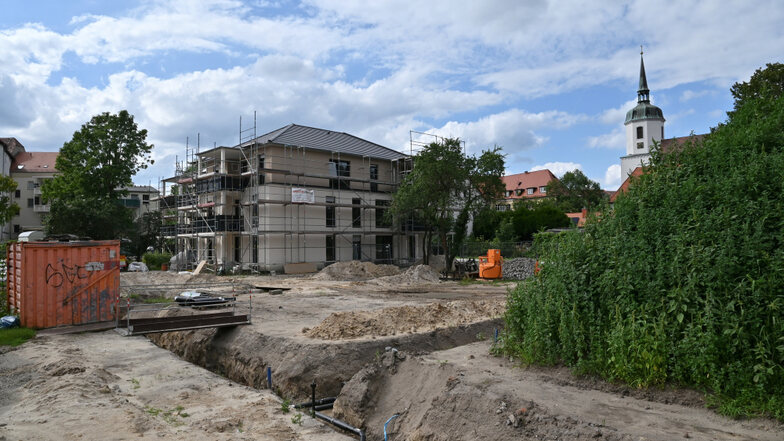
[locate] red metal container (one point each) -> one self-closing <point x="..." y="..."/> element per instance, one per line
<point x="63" y="283"/>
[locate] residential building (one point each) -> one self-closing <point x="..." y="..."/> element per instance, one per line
<point x="30" y="170"/>
<point x="11" y="147"/>
<point x="530" y="185"/>
<point x="141" y="199"/>
<point x="296" y="195"/>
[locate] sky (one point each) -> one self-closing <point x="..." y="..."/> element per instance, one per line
<point x="548" y="81"/>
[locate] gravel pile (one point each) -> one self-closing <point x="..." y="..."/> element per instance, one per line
<point x="414" y="274"/>
<point x="355" y="270"/>
<point x="519" y="268"/>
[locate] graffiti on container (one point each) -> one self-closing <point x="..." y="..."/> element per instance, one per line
<point x="56" y="277"/>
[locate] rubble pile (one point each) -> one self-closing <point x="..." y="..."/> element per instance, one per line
<point x="519" y="268"/>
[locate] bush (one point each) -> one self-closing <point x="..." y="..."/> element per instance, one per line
<point x="154" y="260"/>
<point x="681" y="283"/>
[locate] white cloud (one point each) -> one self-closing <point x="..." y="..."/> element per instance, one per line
<point x="613" y="140"/>
<point x="558" y="168"/>
<point x="612" y="177"/>
<point x="617" y="116"/>
<point x="689" y="94"/>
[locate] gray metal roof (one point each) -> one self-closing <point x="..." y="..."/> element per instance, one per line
<point x="320" y="139"/>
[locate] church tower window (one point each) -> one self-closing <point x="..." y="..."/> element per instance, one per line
<point x="639" y="132"/>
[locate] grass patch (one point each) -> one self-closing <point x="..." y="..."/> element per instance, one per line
<point x="15" y="336"/>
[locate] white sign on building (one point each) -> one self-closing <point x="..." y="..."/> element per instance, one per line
<point x="302" y="196"/>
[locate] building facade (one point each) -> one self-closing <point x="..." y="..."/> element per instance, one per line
<point x="525" y="186"/>
<point x="30" y="170"/>
<point x="297" y="195"/>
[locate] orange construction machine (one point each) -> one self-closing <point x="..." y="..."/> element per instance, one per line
<point x="490" y="265"/>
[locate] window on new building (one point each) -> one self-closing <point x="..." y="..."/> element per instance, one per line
<point x="339" y="169"/>
<point x="356" y="213"/>
<point x="330" y="211"/>
<point x="374" y="177"/>
<point x="542" y="189"/>
<point x="639" y="132"/>
<point x="261" y="167"/>
<point x="380" y="213"/>
<point x="330" y="248"/>
<point x="530" y="190"/>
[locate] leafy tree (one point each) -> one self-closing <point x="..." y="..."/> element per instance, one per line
<point x="8" y="208"/>
<point x="486" y="222"/>
<point x="574" y="191"/>
<point x="146" y="232"/>
<point x="445" y="189"/>
<point x="764" y="83"/>
<point x="529" y="219"/>
<point x="94" y="166"/>
<point x="682" y="281"/>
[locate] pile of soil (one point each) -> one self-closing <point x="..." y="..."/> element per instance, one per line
<point x="402" y="319"/>
<point x="413" y="275"/>
<point x="355" y="270"/>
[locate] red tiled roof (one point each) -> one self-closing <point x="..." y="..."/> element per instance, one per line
<point x="674" y="143"/>
<point x="520" y="182"/>
<point x="34" y="162"/>
<point x="625" y="186"/>
<point x="581" y="216"/>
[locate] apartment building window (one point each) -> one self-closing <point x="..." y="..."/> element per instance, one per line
<point x="339" y="169"/>
<point x="237" y="249"/>
<point x="384" y="249"/>
<point x="356" y="213"/>
<point x="639" y="132"/>
<point x="135" y="196"/>
<point x="330" y="211"/>
<point x="381" y="209"/>
<point x="530" y="190"/>
<point x="37" y="200"/>
<point x="16" y="228"/>
<point x="356" y="247"/>
<point x="543" y="189"/>
<point x="373" y="177"/>
<point x="30" y="185"/>
<point x="18" y="193"/>
<point x="145" y="199"/>
<point x="29" y="202"/>
<point x="261" y="167"/>
<point x="330" y="248"/>
<point x="501" y="207"/>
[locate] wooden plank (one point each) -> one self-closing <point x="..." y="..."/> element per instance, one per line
<point x="199" y="267"/>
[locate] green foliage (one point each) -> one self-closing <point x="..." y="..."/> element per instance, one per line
<point x="285" y="406"/>
<point x="145" y="233"/>
<point x="154" y="260"/>
<point x="297" y="419"/>
<point x="574" y="191"/>
<point x="15" y="336"/>
<point x="529" y="219"/>
<point x="682" y="282"/>
<point x="94" y="165"/>
<point x="8" y="208"/>
<point x="445" y="189"/>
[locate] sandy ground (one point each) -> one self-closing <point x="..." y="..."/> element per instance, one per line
<point x="102" y="386"/>
<point x="465" y="394"/>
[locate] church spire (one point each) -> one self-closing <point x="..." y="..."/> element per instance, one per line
<point x="643" y="94"/>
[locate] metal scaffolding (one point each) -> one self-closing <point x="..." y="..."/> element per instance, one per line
<point x="236" y="207"/>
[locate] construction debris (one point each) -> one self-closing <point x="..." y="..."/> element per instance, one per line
<point x="355" y="270"/>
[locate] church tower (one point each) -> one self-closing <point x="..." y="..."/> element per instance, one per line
<point x="644" y="126"/>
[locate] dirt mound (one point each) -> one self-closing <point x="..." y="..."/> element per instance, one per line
<point x="402" y="319"/>
<point x="355" y="270"/>
<point x="413" y="275"/>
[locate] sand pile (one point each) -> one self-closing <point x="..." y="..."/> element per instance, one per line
<point x="403" y="319"/>
<point x="355" y="270"/>
<point x="413" y="275"/>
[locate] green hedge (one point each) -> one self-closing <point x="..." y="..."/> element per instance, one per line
<point x="154" y="260"/>
<point x="682" y="282"/>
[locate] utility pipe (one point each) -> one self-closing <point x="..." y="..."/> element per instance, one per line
<point x="318" y="402"/>
<point x="385" y="425"/>
<point x="342" y="425"/>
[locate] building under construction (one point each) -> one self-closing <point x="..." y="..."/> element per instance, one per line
<point x="296" y="196"/>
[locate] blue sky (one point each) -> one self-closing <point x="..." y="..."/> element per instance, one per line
<point x="549" y="81"/>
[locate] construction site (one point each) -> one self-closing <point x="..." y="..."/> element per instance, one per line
<point x="295" y="199"/>
<point x="382" y="353"/>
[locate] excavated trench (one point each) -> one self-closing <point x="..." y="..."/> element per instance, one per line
<point x="243" y="354"/>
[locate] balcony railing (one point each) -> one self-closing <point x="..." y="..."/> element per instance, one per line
<point x="130" y="203"/>
<point x="41" y="208"/>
